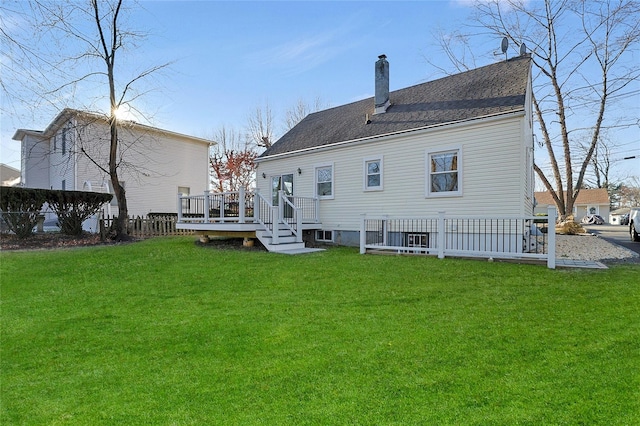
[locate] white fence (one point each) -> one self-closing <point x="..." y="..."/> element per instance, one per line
<point x="530" y="237"/>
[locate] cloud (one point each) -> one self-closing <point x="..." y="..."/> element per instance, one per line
<point x="307" y="51"/>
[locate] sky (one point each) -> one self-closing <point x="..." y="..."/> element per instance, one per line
<point x="229" y="58"/>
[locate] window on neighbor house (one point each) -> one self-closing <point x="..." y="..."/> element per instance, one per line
<point x="324" y="181"/>
<point x="373" y="174"/>
<point x="64" y="141"/>
<point x="64" y="185"/>
<point x="444" y="174"/>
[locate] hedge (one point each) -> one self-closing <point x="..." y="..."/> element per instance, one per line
<point x="21" y="207"/>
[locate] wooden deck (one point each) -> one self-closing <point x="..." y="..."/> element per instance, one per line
<point x="245" y="214"/>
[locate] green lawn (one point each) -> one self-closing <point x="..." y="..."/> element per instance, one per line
<point x="166" y="332"/>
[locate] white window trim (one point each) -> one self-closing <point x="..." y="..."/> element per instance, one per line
<point x="365" y="181"/>
<point x="427" y="178"/>
<point x="333" y="181"/>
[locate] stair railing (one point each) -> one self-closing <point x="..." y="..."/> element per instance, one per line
<point x="294" y="222"/>
<point x="266" y="215"/>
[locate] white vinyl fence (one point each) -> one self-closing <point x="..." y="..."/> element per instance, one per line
<point x="529" y="237"/>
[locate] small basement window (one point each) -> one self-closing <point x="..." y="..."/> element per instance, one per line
<point x="322" y="235"/>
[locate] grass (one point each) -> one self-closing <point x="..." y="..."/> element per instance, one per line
<point x="166" y="332"/>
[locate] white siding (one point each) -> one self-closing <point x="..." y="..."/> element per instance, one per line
<point x="492" y="164"/>
<point x="62" y="164"/>
<point x="35" y="162"/>
<point x="154" y="166"/>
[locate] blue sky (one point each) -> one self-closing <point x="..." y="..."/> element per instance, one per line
<point x="231" y="57"/>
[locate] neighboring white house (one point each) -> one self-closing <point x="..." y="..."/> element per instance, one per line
<point x="589" y="201"/>
<point x="462" y="144"/>
<point x="9" y="176"/>
<point x="155" y="165"/>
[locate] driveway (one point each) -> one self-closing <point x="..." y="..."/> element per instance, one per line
<point x="617" y="234"/>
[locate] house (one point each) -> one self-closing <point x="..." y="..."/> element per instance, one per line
<point x="155" y="164"/>
<point x="462" y="144"/>
<point x="589" y="201"/>
<point x="9" y="176"/>
<point x="616" y="217"/>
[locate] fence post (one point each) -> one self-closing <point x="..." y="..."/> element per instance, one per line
<point x="441" y="232"/>
<point x="363" y="233"/>
<point x="241" y="205"/>
<point x="551" y="232"/>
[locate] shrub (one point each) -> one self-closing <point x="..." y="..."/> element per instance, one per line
<point x="74" y="207"/>
<point x="20" y="208"/>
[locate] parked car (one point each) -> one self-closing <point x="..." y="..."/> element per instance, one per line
<point x="634" y="224"/>
<point x="592" y="219"/>
<point x="624" y="219"/>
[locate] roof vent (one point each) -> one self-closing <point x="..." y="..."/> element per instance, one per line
<point x="381" y="99"/>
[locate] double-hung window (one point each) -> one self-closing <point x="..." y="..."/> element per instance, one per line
<point x="444" y="173"/>
<point x="373" y="174"/>
<point x="324" y="181"/>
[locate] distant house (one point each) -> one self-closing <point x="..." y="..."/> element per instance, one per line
<point x="462" y="144"/>
<point x="589" y="201"/>
<point x="155" y="165"/>
<point x="9" y="176"/>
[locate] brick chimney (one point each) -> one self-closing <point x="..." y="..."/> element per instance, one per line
<point x="381" y="99"/>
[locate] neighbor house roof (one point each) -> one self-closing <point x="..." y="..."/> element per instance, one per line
<point x="69" y="113"/>
<point x="490" y="90"/>
<point x="585" y="196"/>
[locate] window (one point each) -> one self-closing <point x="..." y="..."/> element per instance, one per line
<point x="444" y="174"/>
<point x="373" y="174"/>
<point x="324" y="182"/>
<point x="64" y="184"/>
<point x="322" y="235"/>
<point x="64" y="141"/>
<point x="417" y="240"/>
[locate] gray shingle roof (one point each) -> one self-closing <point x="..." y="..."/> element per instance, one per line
<point x="489" y="90"/>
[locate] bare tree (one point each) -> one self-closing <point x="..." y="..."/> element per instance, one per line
<point x="582" y="60"/>
<point x="300" y="110"/>
<point x="260" y="130"/>
<point x="231" y="161"/>
<point x="90" y="36"/>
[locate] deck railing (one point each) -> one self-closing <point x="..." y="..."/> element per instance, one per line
<point x="267" y="216"/>
<point x="243" y="207"/>
<point x="235" y="206"/>
<point x="528" y="237"/>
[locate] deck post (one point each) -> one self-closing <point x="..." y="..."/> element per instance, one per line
<point x="179" y="207"/>
<point x="317" y="208"/>
<point x="275" y="224"/>
<point x="280" y="206"/>
<point x="298" y="214"/>
<point x="256" y="205"/>
<point x="441" y="232"/>
<point x="206" y="206"/>
<point x="241" y="206"/>
<point x="551" y="232"/>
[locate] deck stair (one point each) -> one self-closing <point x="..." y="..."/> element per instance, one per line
<point x="249" y="214"/>
<point x="287" y="243"/>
